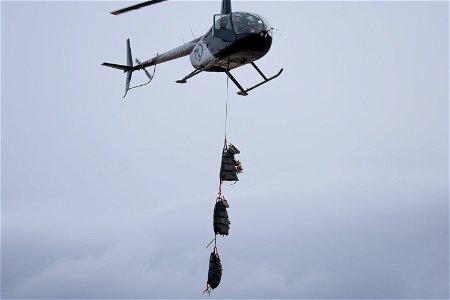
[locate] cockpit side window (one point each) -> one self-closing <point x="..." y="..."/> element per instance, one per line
<point x="223" y="28"/>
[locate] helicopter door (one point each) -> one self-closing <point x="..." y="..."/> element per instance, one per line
<point x="223" y="28"/>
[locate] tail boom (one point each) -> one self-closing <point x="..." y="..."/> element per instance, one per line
<point x="175" y="53"/>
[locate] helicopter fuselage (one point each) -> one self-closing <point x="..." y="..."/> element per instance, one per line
<point x="234" y="40"/>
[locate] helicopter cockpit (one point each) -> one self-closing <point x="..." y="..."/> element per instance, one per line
<point x="248" y="23"/>
<point x="228" y="27"/>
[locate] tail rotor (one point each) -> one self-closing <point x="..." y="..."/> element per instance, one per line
<point x="129" y="68"/>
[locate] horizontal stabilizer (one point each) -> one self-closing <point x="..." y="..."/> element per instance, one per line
<point x="116" y="66"/>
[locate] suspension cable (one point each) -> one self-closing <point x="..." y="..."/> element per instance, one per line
<point x="226" y="112"/>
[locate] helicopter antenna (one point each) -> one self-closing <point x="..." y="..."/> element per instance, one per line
<point x="193" y="34"/>
<point x="277" y="31"/>
<point x="183" y="39"/>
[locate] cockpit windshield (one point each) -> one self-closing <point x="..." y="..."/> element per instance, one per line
<point x="247" y="23"/>
<point x="227" y="27"/>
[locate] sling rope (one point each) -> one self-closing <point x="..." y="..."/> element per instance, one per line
<point x="219" y="194"/>
<point x="226" y="112"/>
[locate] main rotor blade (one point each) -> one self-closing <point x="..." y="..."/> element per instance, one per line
<point x="136" y="6"/>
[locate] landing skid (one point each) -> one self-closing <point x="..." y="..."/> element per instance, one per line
<point x="243" y="92"/>
<point x="195" y="72"/>
<point x="192" y="74"/>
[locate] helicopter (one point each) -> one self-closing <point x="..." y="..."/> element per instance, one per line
<point x="234" y="40"/>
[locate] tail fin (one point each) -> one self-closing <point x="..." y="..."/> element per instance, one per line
<point x="128" y="68"/>
<point x="129" y="65"/>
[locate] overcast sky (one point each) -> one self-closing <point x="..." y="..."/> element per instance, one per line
<point x="345" y="155"/>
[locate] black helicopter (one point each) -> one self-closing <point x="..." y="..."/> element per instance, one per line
<point x="235" y="39"/>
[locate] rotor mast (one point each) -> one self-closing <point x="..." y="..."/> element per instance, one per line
<point x="226" y="7"/>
